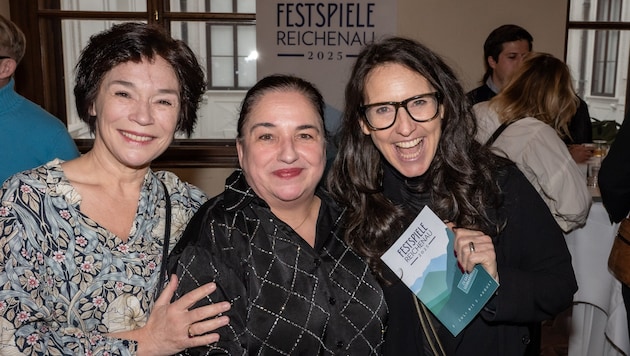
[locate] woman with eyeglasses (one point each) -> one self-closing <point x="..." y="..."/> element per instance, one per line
<point x="407" y="140"/>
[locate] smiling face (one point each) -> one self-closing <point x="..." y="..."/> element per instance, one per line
<point x="136" y="111"/>
<point x="282" y="148"/>
<point x="409" y="146"/>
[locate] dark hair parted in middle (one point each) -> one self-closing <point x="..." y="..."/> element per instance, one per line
<point x="133" y="42"/>
<point x="280" y="83"/>
<point x="459" y="179"/>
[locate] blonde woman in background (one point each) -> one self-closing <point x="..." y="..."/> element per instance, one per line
<point x="526" y="122"/>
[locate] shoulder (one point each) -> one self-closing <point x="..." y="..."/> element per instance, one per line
<point x="487" y="120"/>
<point x="479" y="94"/>
<point x="180" y="190"/>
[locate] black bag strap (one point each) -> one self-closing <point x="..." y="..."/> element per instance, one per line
<point x="498" y="132"/>
<point x="167" y="238"/>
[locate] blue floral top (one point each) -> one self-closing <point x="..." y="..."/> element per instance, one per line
<point x="65" y="281"/>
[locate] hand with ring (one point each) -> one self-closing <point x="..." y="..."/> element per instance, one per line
<point x="473" y="247"/>
<point x="174" y="327"/>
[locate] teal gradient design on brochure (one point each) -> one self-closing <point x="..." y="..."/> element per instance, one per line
<point x="424" y="258"/>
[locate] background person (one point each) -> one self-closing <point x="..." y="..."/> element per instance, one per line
<point x="29" y="135"/>
<point x="614" y="185"/>
<point x="407" y="141"/>
<point x="504" y="50"/>
<point x="538" y="104"/>
<point x="82" y="240"/>
<point x="273" y="240"/>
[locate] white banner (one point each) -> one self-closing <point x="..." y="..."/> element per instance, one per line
<point x="319" y="41"/>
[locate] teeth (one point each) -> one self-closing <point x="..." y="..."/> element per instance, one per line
<point x="408" y="144"/>
<point x="136" y="137"/>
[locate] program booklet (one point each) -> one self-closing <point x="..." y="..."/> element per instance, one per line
<point x="424" y="259"/>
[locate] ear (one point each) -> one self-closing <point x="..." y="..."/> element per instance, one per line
<point x="239" y="151"/>
<point x="365" y="128"/>
<point x="92" y="110"/>
<point x="7" y="68"/>
<point x="491" y="62"/>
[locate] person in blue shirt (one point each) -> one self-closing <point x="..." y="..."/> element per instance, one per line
<point x="29" y="135"/>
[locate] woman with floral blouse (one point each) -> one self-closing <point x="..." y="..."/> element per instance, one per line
<point x="81" y="241"/>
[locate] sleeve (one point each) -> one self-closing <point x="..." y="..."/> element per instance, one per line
<point x="614" y="175"/>
<point x="535" y="272"/>
<point x="562" y="184"/>
<point x="29" y="323"/>
<point x="199" y="258"/>
<point x="580" y="126"/>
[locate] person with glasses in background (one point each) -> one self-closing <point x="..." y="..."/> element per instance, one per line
<point x="407" y="141"/>
<point x="29" y="135"/>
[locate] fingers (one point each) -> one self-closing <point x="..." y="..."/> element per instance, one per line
<point x="474" y="247"/>
<point x="199" y="332"/>
<point x="189" y="299"/>
<point x="167" y="294"/>
<point x="205" y="326"/>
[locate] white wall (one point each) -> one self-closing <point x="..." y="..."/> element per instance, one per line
<point x="457" y="29"/>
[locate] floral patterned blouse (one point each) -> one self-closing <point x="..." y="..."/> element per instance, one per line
<point x="65" y="281"/>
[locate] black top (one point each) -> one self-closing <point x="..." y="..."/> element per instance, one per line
<point x="480" y="93"/>
<point x="580" y="127"/>
<point x="287" y="297"/>
<point x="614" y="175"/>
<point x="535" y="275"/>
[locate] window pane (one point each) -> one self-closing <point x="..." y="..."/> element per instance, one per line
<point x="99" y="5"/>
<point x="246" y="6"/>
<point x="222" y="71"/>
<point x="586" y="10"/>
<point x="599" y="62"/>
<point x="228" y="53"/>
<point x="221" y="6"/>
<point x="222" y="40"/>
<point x="247" y="56"/>
<point x="187" y="6"/>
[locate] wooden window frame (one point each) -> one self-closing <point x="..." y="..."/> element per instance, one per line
<point x="40" y="75"/>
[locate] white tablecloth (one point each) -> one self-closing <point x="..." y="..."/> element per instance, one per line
<point x="598" y="324"/>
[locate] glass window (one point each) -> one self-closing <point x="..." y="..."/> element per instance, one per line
<point x="221" y="32"/>
<point x="598" y="53"/>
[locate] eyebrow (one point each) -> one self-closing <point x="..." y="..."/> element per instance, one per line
<point x="270" y="125"/>
<point x="131" y="85"/>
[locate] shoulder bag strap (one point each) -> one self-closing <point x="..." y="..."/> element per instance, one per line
<point x="498" y="132"/>
<point x="167" y="238"/>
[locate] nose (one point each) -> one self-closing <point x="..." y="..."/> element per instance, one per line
<point x="404" y="124"/>
<point x="288" y="153"/>
<point x="142" y="114"/>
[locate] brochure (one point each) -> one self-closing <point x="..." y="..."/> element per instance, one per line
<point x="424" y="259"/>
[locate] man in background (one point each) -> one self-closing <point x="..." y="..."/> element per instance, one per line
<point x="503" y="52"/>
<point x="29" y="135"/>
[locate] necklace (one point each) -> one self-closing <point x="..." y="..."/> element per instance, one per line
<point x="303" y="221"/>
<point x="308" y="214"/>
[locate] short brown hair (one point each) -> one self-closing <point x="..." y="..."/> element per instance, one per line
<point x="12" y="40"/>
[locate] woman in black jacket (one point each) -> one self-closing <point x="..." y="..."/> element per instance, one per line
<point x="407" y="140"/>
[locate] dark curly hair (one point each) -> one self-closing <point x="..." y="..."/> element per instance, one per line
<point x="459" y="180"/>
<point x="134" y="42"/>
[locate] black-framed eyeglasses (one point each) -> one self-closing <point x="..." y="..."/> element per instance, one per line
<point x="421" y="108"/>
<point x="5" y="57"/>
